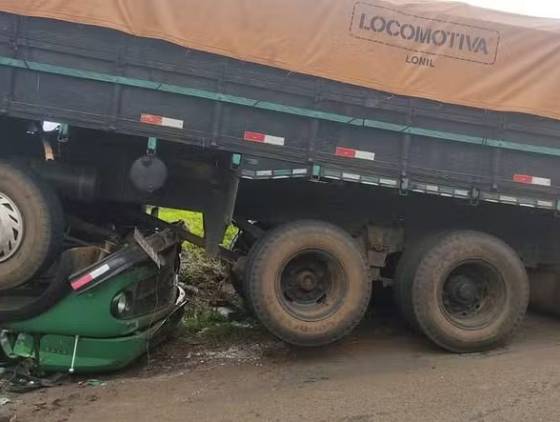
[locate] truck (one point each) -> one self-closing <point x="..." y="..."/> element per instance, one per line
<point x="352" y="143"/>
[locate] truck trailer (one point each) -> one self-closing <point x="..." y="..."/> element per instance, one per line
<point x="409" y="143"/>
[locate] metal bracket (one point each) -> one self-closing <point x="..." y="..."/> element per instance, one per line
<point x="151" y="149"/>
<point x="63" y="133"/>
<point x="246" y="226"/>
<point x="316" y="172"/>
<point x="475" y="196"/>
<point x="236" y="161"/>
<point x="405" y="185"/>
<point x="557" y="213"/>
<point x="151" y="252"/>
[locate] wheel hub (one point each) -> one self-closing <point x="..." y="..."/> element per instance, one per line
<point x="305" y="287"/>
<point x="472" y="295"/>
<point x="311" y="286"/>
<point x="11" y="228"/>
<point x="464" y="290"/>
<point x="307" y="281"/>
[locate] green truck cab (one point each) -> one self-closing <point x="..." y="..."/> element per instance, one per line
<point x="99" y="311"/>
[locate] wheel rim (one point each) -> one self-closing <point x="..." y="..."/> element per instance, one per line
<point x="473" y="295"/>
<point x="11" y="228"/>
<point x="312" y="286"/>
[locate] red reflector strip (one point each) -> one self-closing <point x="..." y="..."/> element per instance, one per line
<point x="151" y="119"/>
<point x="254" y="137"/>
<point x="262" y="138"/>
<point x="88" y="278"/>
<point x="531" y="180"/>
<point x="345" y="152"/>
<point x="354" y="153"/>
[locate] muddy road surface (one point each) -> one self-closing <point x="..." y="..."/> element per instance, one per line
<point x="381" y="373"/>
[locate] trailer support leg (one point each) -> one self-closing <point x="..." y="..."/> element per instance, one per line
<point x="218" y="213"/>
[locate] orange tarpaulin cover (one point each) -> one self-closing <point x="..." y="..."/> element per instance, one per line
<point x="441" y="50"/>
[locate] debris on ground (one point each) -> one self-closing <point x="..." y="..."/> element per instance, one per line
<point x="92" y="383"/>
<point x="224" y="312"/>
<point x="200" y="271"/>
<point x="215" y="314"/>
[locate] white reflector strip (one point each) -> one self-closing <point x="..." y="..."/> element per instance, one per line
<point x="274" y="140"/>
<point x="351" y="176"/>
<point x="88" y="278"/>
<point x="531" y="180"/>
<point x="388" y="182"/>
<point x="504" y="198"/>
<point x="177" y="124"/>
<point x="541" y="181"/>
<point x="364" y="155"/>
<point x="461" y="192"/>
<point x="300" y="172"/>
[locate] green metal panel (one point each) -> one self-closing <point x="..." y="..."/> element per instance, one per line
<point x="61" y="353"/>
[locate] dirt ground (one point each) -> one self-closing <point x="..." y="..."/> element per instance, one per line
<point x="381" y="373"/>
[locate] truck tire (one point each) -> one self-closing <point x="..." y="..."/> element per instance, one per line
<point x="308" y="284"/>
<point x="404" y="277"/>
<point x="470" y="292"/>
<point x="31" y="225"/>
<point x="242" y="245"/>
<point x="236" y="277"/>
<point x="244" y="283"/>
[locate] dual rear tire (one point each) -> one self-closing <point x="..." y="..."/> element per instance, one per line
<point x="307" y="282"/>
<point x="466" y="291"/>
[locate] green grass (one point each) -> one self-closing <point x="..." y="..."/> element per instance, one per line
<point x="198" y="320"/>
<point x="210" y="328"/>
<point x="194" y="221"/>
<point x="202" y="323"/>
